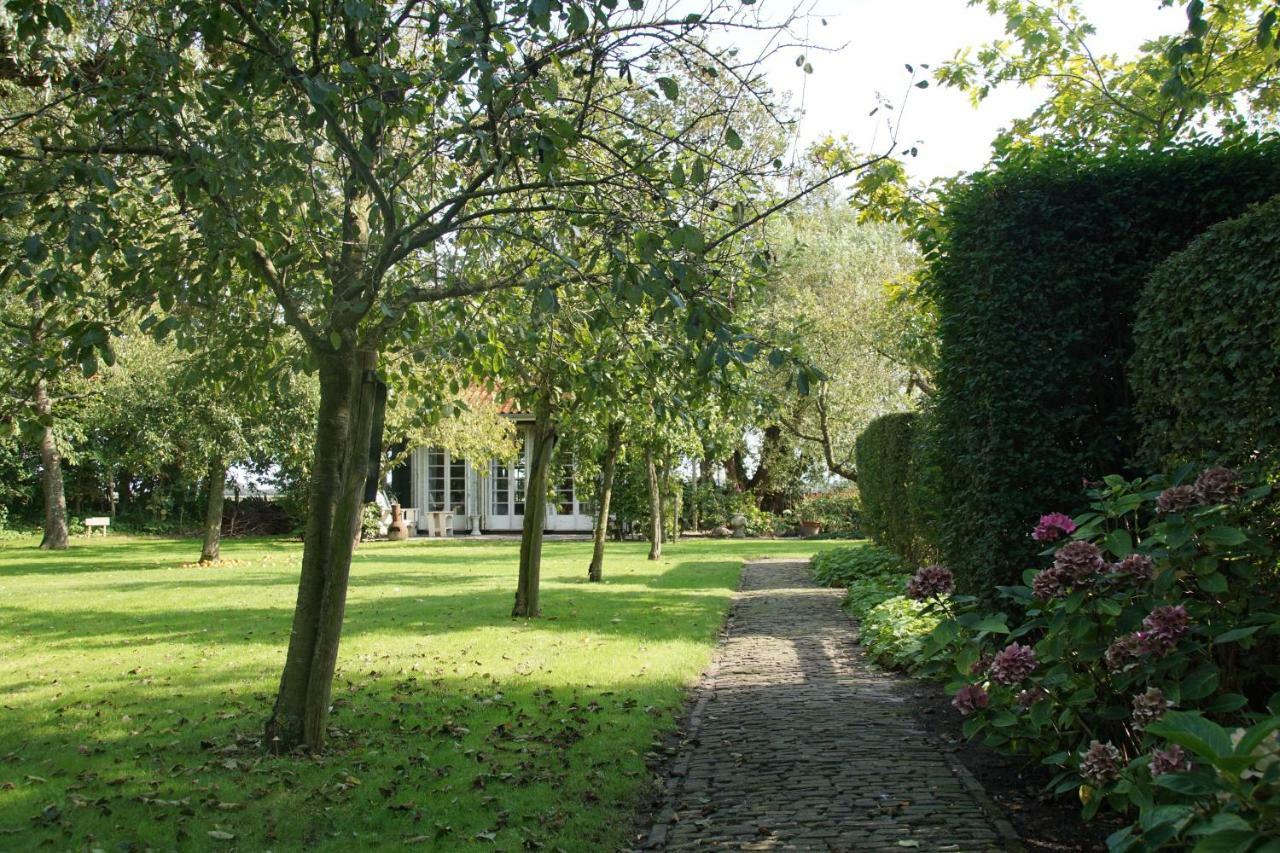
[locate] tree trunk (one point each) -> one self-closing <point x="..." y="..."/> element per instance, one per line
<point x="655" y="507"/>
<point x="595" y="572"/>
<point x="535" y="513"/>
<point x="212" y="547"/>
<point x="55" y="501"/>
<point x="341" y="461"/>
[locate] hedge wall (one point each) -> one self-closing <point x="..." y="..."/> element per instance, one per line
<point x="897" y="507"/>
<point x="1206" y="365"/>
<point x="1036" y="277"/>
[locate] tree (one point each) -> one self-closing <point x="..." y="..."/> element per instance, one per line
<point x="359" y="160"/>
<point x="841" y="301"/>
<point x="1222" y="79"/>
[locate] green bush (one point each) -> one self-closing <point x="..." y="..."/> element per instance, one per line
<point x="894" y="631"/>
<point x="1126" y="662"/>
<point x="843" y="566"/>
<point x="890" y="627"/>
<point x="1206" y="364"/>
<point x="1036" y="276"/>
<point x="883" y="456"/>
<point x="838" y="511"/>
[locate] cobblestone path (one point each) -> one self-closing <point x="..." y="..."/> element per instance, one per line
<point x="796" y="742"/>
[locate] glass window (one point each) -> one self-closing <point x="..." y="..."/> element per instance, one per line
<point x="435" y="479"/>
<point x="564" y="488"/>
<point x="458" y="486"/>
<point x="501" y="478"/>
<point x="517" y="477"/>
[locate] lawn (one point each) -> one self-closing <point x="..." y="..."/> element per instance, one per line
<point x="134" y="686"/>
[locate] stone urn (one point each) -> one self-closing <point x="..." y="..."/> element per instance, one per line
<point x="397" y="530"/>
<point x="810" y="528"/>
<point x="739" y="525"/>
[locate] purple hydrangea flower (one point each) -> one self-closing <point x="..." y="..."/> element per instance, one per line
<point x="1053" y="527"/>
<point x="1138" y="567"/>
<point x="1125" y="650"/>
<point x="1049" y="583"/>
<point x="1166" y="625"/>
<point x="931" y="582"/>
<point x="1027" y="698"/>
<point x="1014" y="663"/>
<point x="1171" y="760"/>
<point x="1149" y="707"/>
<point x="1100" y="763"/>
<point x="1218" y="486"/>
<point x="970" y="698"/>
<point x="1079" y="560"/>
<point x="1177" y="499"/>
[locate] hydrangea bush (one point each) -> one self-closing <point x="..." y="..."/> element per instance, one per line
<point x="1143" y="664"/>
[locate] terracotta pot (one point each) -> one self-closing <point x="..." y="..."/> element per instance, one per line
<point x="397" y="530"/>
<point x="810" y="528"/>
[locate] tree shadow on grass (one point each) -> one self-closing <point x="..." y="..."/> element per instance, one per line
<point x="672" y="615"/>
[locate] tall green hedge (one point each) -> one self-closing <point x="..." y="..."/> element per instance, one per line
<point x="1206" y="365"/>
<point x="1036" y="278"/>
<point x="894" y="508"/>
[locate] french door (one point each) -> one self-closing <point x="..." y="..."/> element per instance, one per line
<point x="506" y="491"/>
<point x="444" y="486"/>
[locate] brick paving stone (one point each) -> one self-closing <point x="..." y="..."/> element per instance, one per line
<point x="797" y="742"/>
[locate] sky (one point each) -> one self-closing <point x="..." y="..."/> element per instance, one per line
<point x="880" y="37"/>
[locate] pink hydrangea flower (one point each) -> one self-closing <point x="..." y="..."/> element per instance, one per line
<point x="1079" y="560"/>
<point x="1100" y="763"/>
<point x="1149" y="707"/>
<point x="970" y="698"/>
<point x="1138" y="567"/>
<point x="1053" y="527"/>
<point x="1171" y="760"/>
<point x="1049" y="583"/>
<point x="1014" y="663"/>
<point x="1166" y="625"/>
<point x="931" y="582"/>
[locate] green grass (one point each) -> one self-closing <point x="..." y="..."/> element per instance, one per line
<point x="133" y="688"/>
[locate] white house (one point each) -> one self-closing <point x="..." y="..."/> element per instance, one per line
<point x="491" y="500"/>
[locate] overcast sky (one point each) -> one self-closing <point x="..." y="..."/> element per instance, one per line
<point x="881" y="36"/>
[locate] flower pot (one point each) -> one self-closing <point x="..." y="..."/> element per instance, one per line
<point x="810" y="528"/>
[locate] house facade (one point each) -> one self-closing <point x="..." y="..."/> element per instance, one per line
<point x="488" y="498"/>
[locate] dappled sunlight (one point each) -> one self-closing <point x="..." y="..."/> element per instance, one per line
<point x="137" y="680"/>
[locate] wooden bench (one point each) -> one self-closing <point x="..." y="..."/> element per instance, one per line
<point x="100" y="522"/>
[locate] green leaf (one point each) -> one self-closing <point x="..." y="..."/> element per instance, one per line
<point x="732" y="139"/>
<point x="1119" y="542"/>
<point x="669" y="88"/>
<point x="1225" y="536"/>
<point x="335" y="340"/>
<point x="1187" y="728"/>
<point x="992" y="625"/>
<point x="1236" y="634"/>
<point x="1231" y="841"/>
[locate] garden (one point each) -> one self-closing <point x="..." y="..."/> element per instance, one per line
<point x="134" y="683"/>
<point x="414" y="416"/>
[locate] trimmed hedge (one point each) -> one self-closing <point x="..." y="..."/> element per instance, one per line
<point x="1206" y="365"/>
<point x="897" y="478"/>
<point x="1036" y="277"/>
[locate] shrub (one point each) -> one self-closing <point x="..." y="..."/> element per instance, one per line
<point x="894" y="631"/>
<point x="1036" y="275"/>
<point x="1148" y="631"/>
<point x="839" y="512"/>
<point x="890" y="627"/>
<point x="883" y="456"/>
<point x="843" y="566"/>
<point x="1206" y="364"/>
